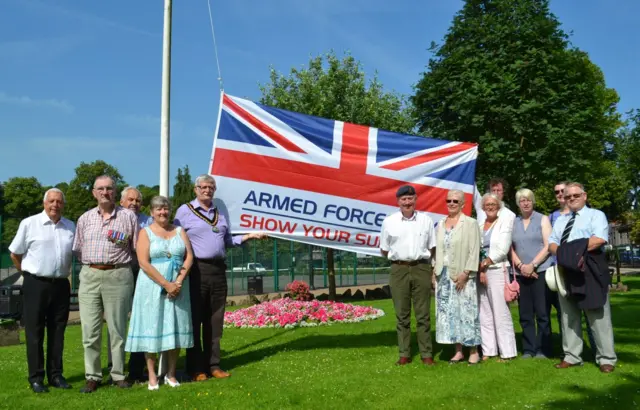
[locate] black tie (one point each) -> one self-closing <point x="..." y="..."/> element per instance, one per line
<point x="567" y="229"/>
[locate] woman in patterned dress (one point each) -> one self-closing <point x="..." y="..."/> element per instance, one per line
<point x="457" y="258"/>
<point x="161" y="314"/>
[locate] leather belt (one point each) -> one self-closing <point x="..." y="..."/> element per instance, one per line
<point x="410" y="263"/>
<point x="211" y="261"/>
<point x="45" y="278"/>
<point x="101" y="266"/>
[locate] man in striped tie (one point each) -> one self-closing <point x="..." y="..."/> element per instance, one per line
<point x="583" y="222"/>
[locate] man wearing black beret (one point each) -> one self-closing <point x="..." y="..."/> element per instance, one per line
<point x="408" y="240"/>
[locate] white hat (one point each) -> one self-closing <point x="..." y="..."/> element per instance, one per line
<point x="555" y="279"/>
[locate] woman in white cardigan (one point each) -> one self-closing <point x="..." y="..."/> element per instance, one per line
<point x="457" y="258"/>
<point x="496" y="324"/>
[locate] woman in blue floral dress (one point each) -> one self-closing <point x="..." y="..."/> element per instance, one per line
<point x="457" y="258"/>
<point x="161" y="314"/>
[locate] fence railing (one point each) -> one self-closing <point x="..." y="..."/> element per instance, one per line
<point x="279" y="262"/>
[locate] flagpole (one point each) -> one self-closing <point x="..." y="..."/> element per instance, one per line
<point x="166" y="96"/>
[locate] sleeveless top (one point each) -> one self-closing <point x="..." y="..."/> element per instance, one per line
<point x="528" y="243"/>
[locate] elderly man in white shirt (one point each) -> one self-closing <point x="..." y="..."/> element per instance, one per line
<point x="41" y="249"/>
<point x="408" y="240"/>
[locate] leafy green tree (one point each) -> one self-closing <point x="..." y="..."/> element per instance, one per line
<point x="628" y="148"/>
<point x="506" y="77"/>
<point x="337" y="88"/>
<point x="148" y="192"/>
<point x="183" y="188"/>
<point x="79" y="193"/>
<point x="22" y="198"/>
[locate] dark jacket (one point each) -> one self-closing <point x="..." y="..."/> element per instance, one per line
<point x="586" y="274"/>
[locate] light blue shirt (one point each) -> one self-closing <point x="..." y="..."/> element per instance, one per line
<point x="144" y="220"/>
<point x="589" y="222"/>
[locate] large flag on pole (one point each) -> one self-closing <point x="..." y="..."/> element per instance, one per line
<point x="326" y="182"/>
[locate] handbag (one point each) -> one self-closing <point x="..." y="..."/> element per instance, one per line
<point x="511" y="289"/>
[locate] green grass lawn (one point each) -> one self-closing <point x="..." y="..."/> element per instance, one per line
<point x="351" y="366"/>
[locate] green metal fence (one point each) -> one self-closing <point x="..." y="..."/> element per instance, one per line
<point x="279" y="262"/>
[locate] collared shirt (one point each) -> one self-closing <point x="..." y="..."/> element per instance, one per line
<point x="407" y="239"/>
<point x="144" y="220"/>
<point x="110" y="241"/>
<point x="589" y="222"/>
<point x="45" y="246"/>
<point x="206" y="243"/>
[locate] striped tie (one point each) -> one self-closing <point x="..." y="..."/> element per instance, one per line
<point x="567" y="229"/>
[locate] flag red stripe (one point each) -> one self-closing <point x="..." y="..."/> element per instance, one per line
<point x="355" y="148"/>
<point x="271" y="133"/>
<point x="325" y="180"/>
<point x="429" y="156"/>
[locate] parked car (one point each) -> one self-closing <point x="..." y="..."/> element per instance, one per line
<point x="251" y="267"/>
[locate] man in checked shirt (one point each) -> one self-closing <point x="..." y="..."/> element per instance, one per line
<point x="105" y="241"/>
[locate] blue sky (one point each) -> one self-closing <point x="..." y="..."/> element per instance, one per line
<point x="80" y="79"/>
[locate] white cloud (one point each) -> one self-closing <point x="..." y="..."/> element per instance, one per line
<point x="26" y="101"/>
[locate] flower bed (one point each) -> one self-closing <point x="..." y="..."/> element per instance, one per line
<point x="289" y="313"/>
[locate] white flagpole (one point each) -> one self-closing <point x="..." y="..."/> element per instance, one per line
<point x="166" y="96"/>
<point x="165" y="127"/>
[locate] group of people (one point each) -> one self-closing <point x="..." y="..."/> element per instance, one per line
<point x="478" y="266"/>
<point x="178" y="302"/>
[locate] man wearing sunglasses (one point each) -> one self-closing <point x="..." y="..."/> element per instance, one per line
<point x="588" y="284"/>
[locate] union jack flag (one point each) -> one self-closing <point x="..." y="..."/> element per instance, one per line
<point x="272" y="146"/>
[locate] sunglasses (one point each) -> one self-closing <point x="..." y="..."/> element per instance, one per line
<point x="453" y="201"/>
<point x="574" y="196"/>
<point x="558" y="191"/>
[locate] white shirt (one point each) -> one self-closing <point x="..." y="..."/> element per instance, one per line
<point x="45" y="246"/>
<point x="407" y="239"/>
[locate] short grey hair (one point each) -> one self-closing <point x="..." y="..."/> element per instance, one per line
<point x="205" y="178"/>
<point x="574" y="184"/>
<point x="457" y="193"/>
<point x="113" y="182"/>
<point x="527" y="194"/>
<point x="129" y="188"/>
<point x="160" y="201"/>
<point x="489" y="195"/>
<point x="64" y="200"/>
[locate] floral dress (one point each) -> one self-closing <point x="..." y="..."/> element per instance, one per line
<point x="457" y="318"/>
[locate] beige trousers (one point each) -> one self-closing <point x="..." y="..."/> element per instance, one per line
<point x="108" y="294"/>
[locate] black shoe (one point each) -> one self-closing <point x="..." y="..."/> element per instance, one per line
<point x="123" y="384"/>
<point x="59" y="382"/>
<point x="135" y="378"/>
<point x="39" y="387"/>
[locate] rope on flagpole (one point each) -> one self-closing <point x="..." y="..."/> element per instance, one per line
<point x="215" y="45"/>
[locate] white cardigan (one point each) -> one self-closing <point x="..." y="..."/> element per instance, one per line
<point x="500" y="239"/>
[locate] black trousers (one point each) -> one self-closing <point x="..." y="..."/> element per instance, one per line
<point x="45" y="305"/>
<point x="137" y="361"/>
<point x="533" y="306"/>
<point x="208" y="292"/>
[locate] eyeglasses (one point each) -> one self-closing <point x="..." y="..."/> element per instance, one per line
<point x="574" y="196"/>
<point x="525" y="200"/>
<point x="206" y="187"/>
<point x="453" y="201"/>
<point x="490" y="205"/>
<point x="104" y="188"/>
<point x="558" y="191"/>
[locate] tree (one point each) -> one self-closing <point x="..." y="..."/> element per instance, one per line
<point x="337" y="88"/>
<point x="628" y="147"/>
<point x="183" y="188"/>
<point x="22" y="198"/>
<point x="506" y="77"/>
<point x="148" y="192"/>
<point x="79" y="193"/>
